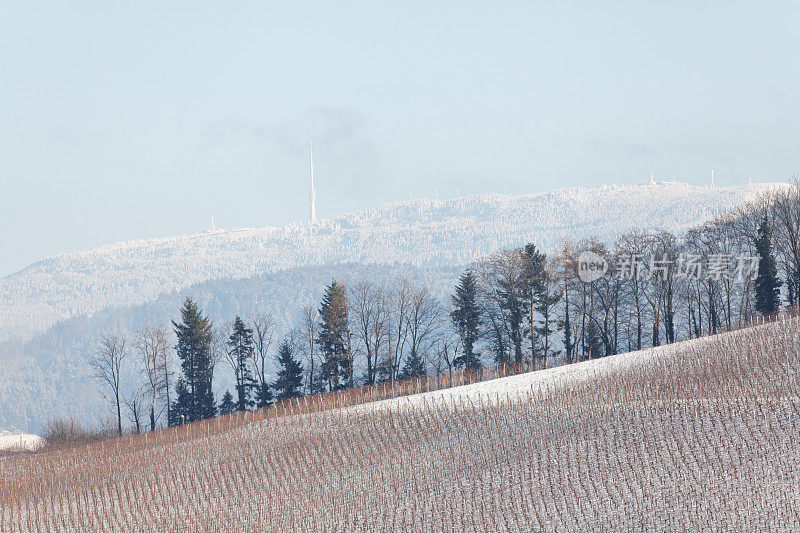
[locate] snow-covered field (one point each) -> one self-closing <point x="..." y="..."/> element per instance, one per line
<point x="698" y="436"/>
<point x="522" y="385"/>
<point x="19" y="442"/>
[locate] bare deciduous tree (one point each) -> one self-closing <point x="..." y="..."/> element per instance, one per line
<point x="135" y="402"/>
<point x="787" y="233"/>
<point x="263" y="327"/>
<point x="107" y="367"/>
<point x="369" y="314"/>
<point x="152" y="351"/>
<point x="399" y="300"/>
<point x="424" y="317"/>
<point x="307" y="338"/>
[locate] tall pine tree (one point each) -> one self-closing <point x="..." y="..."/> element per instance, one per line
<point x="334" y="338"/>
<point x="289" y="383"/>
<point x="195" y="396"/>
<point x="767" y="284"/>
<point x="226" y="406"/>
<point x="240" y="354"/>
<point x="544" y="295"/>
<point x="466" y="317"/>
<point x="567" y="332"/>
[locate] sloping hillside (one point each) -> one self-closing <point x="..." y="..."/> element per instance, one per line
<point x="699" y="435"/>
<point x="421" y="233"/>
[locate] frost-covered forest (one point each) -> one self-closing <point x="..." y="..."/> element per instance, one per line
<point x="52" y="378"/>
<point x="424" y="233"/>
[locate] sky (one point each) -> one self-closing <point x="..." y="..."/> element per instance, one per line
<point x="129" y="120"/>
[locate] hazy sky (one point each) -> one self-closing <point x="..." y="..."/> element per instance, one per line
<point x="123" y="120"/>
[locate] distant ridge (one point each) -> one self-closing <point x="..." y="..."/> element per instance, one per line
<point x="422" y="232"/>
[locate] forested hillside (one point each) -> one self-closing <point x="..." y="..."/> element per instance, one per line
<point x="412" y="248"/>
<point x="421" y="233"/>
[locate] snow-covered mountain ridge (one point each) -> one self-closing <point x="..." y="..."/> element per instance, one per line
<point x="427" y="233"/>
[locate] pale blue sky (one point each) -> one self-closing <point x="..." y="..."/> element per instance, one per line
<point x="141" y="119"/>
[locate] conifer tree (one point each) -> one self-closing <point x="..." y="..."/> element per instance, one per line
<point x="263" y="394"/>
<point x="466" y="317"/>
<point x="567" y="332"/>
<point x="226" y="406"/>
<point x="334" y="337"/>
<point x="767" y="284"/>
<point x="535" y="261"/>
<point x="289" y="383"/>
<point x="182" y="406"/>
<point x="240" y="353"/>
<point x="414" y="367"/>
<point x="548" y="295"/>
<point x="544" y="296"/>
<point x="195" y="395"/>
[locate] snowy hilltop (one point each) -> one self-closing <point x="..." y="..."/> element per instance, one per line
<point x="422" y="233"/>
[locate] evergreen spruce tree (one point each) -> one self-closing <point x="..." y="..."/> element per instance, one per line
<point x="548" y="296"/>
<point x="289" y="383"/>
<point x="263" y="395"/>
<point x="466" y="317"/>
<point x="567" y="332"/>
<point x="195" y="395"/>
<point x="334" y="338"/>
<point x="544" y="296"/>
<point x="414" y="367"/>
<point x="767" y="285"/>
<point x="318" y="382"/>
<point x="182" y="406"/>
<point x="384" y="370"/>
<point x="240" y="352"/>
<point x="226" y="406"/>
<point x="534" y="284"/>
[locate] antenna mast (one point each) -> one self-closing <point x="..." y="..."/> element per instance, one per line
<point x="313" y="193"/>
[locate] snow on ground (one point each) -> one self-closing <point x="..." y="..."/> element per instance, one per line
<point x="696" y="436"/>
<point x="496" y="390"/>
<point x="20" y="441"/>
<point x="513" y="387"/>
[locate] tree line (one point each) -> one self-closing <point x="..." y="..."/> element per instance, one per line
<point x="518" y="307"/>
